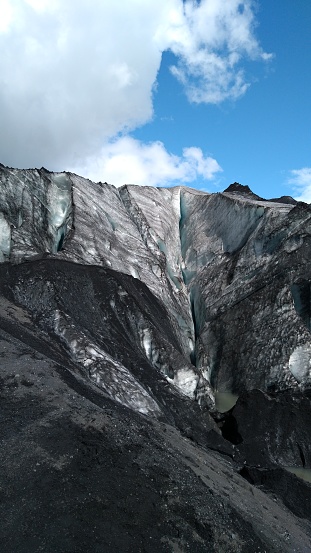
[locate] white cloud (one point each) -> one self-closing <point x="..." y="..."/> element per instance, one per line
<point x="300" y="180"/>
<point x="210" y="42"/>
<point x="6" y="11"/>
<point x="74" y="74"/>
<point x="129" y="161"/>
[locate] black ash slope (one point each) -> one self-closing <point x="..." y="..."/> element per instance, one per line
<point x="79" y="471"/>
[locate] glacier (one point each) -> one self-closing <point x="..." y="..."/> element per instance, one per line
<point x="203" y="255"/>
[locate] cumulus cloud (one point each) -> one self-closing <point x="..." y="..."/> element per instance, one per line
<point x="129" y="161"/>
<point x="300" y="180"/>
<point x="210" y="41"/>
<point x="76" y="74"/>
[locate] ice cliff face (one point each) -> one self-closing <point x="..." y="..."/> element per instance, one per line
<point x="36" y="213"/>
<point x="232" y="271"/>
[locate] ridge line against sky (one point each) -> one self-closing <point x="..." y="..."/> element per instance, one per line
<point x="159" y="92"/>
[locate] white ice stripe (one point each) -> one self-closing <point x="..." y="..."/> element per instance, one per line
<point x="109" y="374"/>
<point x="185" y="379"/>
<point x="5" y="238"/>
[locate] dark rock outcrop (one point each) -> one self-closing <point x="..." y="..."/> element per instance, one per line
<point x="241" y="189"/>
<point x="270" y="429"/>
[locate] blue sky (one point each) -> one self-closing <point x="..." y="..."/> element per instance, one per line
<point x="160" y="92"/>
<point x="259" y="138"/>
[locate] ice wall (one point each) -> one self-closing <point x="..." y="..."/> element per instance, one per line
<point x="243" y="257"/>
<point x="226" y="266"/>
<point x="35" y="212"/>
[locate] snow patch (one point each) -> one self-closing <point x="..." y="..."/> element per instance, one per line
<point x="145" y="338"/>
<point x="134" y="272"/>
<point x="300" y="362"/>
<point x="186" y="380"/>
<point x="5" y="239"/>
